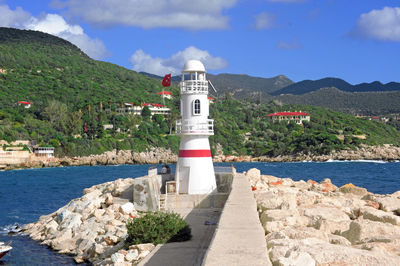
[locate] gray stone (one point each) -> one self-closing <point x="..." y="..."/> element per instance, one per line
<point x="379" y="216"/>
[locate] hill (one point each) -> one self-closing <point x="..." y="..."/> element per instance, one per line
<point x="70" y="93"/>
<point x="307" y="86"/>
<point x="363" y="103"/>
<point x="39" y="67"/>
<point x="241" y="86"/>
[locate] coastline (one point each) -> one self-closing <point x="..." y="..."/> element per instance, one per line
<point x="386" y="153"/>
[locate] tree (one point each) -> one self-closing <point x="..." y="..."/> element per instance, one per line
<point x="75" y="123"/>
<point x="57" y="114"/>
<point x="146" y="113"/>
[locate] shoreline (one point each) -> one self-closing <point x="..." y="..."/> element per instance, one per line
<point x="383" y="153"/>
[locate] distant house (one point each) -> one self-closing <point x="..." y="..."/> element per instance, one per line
<point x="167" y="94"/>
<point x="44" y="151"/>
<point x="24" y="103"/>
<point x="211" y="100"/>
<point x="297" y="117"/>
<point x="108" y="126"/>
<point x="155" y="108"/>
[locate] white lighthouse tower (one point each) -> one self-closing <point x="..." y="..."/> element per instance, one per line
<point x="194" y="170"/>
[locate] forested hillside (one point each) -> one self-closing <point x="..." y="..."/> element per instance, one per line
<point x="306" y="86"/>
<point x="362" y="103"/>
<point x="73" y="96"/>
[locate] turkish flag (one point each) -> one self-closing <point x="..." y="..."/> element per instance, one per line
<point x="167" y="80"/>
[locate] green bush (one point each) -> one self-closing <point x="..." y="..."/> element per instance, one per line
<point x="157" y="228"/>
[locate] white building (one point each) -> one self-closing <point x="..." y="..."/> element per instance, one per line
<point x="44" y="151"/>
<point x="155" y="108"/>
<point x="297" y="117"/>
<point x="194" y="170"/>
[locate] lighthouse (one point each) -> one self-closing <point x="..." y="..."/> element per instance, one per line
<point x="194" y="170"/>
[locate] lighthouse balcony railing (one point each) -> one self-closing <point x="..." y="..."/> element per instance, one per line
<point x="190" y="127"/>
<point x="194" y="86"/>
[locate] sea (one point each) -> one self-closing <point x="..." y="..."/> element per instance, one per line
<point x="27" y="194"/>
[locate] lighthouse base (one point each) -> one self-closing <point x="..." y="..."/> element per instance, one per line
<point x="195" y="169"/>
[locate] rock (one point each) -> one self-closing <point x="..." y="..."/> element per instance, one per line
<point x="350" y="188"/>
<point x="132" y="255"/>
<point x="253" y="174"/>
<point x="117" y="258"/>
<point x="109" y="199"/>
<point x="362" y="231"/>
<point x="64" y="241"/>
<point x="72" y="221"/>
<point x="338" y="240"/>
<point x="328" y="254"/>
<point x="127" y="208"/>
<point x="389" y="204"/>
<point x="293" y="257"/>
<point x="321" y="212"/>
<point x="379" y="216"/>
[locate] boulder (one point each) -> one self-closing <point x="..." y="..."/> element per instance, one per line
<point x="253" y="174"/>
<point x="350" y="188"/>
<point x="127" y="208"/>
<point x="373" y="214"/>
<point x="362" y="231"/>
<point x="389" y="204"/>
<point x="322" y="212"/>
<point x="117" y="258"/>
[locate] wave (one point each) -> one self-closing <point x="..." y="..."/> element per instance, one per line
<point x="11" y="229"/>
<point x="355" y="161"/>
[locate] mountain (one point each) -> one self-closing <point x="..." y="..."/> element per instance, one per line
<point x="241" y="86"/>
<point x="362" y="103"/>
<point x="307" y="86"/>
<point x="39" y="67"/>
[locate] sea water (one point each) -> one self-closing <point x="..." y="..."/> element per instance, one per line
<point x="25" y="195"/>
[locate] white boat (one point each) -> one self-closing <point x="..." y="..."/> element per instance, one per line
<point x="4" y="249"/>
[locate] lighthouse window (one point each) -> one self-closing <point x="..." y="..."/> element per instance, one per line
<point x="196" y="107"/>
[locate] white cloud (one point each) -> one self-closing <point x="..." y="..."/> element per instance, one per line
<point x="160" y="66"/>
<point x="53" y="24"/>
<point x="291" y="45"/>
<point x="383" y="24"/>
<point x="13" y="18"/>
<point x="56" y="25"/>
<point x="264" y="21"/>
<point x="192" y="15"/>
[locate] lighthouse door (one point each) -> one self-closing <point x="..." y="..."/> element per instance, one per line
<point x="184" y="174"/>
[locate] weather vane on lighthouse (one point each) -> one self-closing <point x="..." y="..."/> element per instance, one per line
<point x="194" y="170"/>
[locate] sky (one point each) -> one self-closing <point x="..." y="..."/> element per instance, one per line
<point x="356" y="40"/>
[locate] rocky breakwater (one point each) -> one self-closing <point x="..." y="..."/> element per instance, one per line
<point x="92" y="228"/>
<point x="114" y="157"/>
<point x="310" y="223"/>
<point x="384" y="152"/>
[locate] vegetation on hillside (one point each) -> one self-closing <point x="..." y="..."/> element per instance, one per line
<point x="73" y="96"/>
<point x="361" y="103"/>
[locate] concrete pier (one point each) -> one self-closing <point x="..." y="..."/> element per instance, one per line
<point x="237" y="239"/>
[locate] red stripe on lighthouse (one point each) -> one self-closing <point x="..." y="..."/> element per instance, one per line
<point x="194" y="153"/>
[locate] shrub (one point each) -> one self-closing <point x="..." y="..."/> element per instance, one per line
<point x="157" y="228"/>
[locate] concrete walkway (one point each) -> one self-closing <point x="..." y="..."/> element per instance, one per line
<point x="190" y="252"/>
<point x="239" y="238"/>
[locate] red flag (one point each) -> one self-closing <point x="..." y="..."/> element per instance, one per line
<point x="167" y="80"/>
<point x="85" y="127"/>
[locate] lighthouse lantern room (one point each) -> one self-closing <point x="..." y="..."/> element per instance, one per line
<point x="194" y="170"/>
